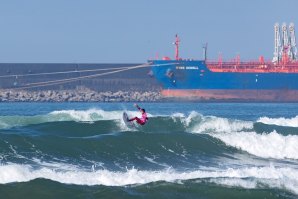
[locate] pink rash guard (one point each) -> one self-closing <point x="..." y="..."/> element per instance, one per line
<point x="144" y="118"/>
<point x="141" y="120"/>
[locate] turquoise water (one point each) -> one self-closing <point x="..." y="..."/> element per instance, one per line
<point x="187" y="150"/>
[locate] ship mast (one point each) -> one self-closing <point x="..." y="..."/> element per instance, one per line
<point x="177" y="41"/>
<point x="205" y="46"/>
<point x="276" y="57"/>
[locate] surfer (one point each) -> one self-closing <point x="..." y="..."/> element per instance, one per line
<point x="141" y="120"/>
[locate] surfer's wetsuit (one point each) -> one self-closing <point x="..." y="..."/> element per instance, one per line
<point x="141" y="120"/>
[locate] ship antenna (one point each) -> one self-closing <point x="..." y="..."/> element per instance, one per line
<point x="205" y="46"/>
<point x="177" y="41"/>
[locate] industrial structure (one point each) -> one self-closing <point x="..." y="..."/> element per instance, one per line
<point x="257" y="80"/>
<point x="284" y="43"/>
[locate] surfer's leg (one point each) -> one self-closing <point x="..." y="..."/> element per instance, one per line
<point x="139" y="121"/>
<point x="132" y="119"/>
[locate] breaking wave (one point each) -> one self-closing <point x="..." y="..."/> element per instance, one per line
<point x="90" y="115"/>
<point x="242" y="177"/>
<point x="291" y="122"/>
<point x="272" y="145"/>
<point x="94" y="147"/>
<point x="239" y="134"/>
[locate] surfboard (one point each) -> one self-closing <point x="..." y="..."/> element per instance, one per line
<point x="126" y="120"/>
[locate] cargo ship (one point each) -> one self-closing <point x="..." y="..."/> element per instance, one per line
<point x="235" y="80"/>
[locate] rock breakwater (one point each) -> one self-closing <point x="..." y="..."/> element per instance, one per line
<point x="85" y="95"/>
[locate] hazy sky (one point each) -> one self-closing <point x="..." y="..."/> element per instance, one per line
<point x="131" y="31"/>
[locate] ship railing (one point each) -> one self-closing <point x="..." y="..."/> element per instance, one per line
<point x="254" y="67"/>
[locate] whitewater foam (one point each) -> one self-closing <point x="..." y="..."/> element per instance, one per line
<point x="236" y="182"/>
<point x="192" y="117"/>
<point x="86" y="115"/>
<point x="291" y="122"/>
<point x="286" y="177"/>
<point x="217" y="124"/>
<point x="91" y="115"/>
<point x="240" y="134"/>
<point x="272" y="145"/>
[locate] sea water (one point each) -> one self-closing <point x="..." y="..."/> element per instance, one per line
<point x="186" y="150"/>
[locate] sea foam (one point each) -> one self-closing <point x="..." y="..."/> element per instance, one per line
<point x="291" y="122"/>
<point x="241" y="135"/>
<point x="286" y="177"/>
<point x="217" y="124"/>
<point x="272" y="145"/>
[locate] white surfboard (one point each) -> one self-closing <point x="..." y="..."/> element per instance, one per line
<point x="128" y="123"/>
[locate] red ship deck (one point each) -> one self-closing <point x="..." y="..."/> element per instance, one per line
<point x="253" y="67"/>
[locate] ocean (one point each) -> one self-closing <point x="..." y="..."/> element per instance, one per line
<point x="186" y="150"/>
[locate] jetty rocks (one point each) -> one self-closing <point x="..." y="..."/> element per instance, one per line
<point x="82" y="95"/>
<point x="104" y="83"/>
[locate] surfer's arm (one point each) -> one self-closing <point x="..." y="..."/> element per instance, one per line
<point x="137" y="106"/>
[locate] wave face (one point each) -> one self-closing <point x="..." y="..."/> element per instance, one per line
<point x="188" y="149"/>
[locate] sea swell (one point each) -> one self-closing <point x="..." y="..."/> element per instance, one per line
<point x="94" y="148"/>
<point x="204" y="188"/>
<point x="116" y="150"/>
<point x="259" y="139"/>
<point x="90" y="115"/>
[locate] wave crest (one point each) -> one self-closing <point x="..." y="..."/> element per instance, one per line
<point x="272" y="145"/>
<point x="287" y="177"/>
<point x="217" y="124"/>
<point x="290" y="122"/>
<point x="90" y="115"/>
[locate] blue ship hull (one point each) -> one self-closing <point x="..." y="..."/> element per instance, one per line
<point x="192" y="79"/>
